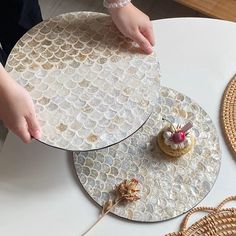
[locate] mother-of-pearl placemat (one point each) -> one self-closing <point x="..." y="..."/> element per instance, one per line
<point x="91" y="86"/>
<point x="168" y="186"/>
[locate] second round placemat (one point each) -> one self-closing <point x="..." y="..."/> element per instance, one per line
<point x="168" y="186"/>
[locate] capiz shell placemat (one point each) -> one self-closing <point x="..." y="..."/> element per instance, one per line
<point x="91" y="86"/>
<point x="168" y="186"/>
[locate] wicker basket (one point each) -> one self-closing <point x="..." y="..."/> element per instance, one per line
<point x="228" y="114"/>
<point x="219" y="222"/>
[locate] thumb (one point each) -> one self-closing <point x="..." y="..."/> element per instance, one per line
<point x="142" y="42"/>
<point x="21" y="130"/>
<point x="149" y="35"/>
<point x="33" y="126"/>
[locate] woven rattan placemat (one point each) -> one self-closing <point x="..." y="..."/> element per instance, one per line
<point x="228" y="113"/>
<point x="219" y="221"/>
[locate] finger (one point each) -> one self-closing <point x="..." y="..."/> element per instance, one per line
<point x="22" y="131"/>
<point x="33" y="126"/>
<point x="142" y="42"/>
<point x="149" y="35"/>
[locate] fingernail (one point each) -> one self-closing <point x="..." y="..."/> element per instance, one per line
<point x="149" y="49"/>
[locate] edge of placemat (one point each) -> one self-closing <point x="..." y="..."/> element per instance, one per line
<point x="227" y="119"/>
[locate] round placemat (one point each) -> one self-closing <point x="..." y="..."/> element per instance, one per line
<point x="91" y="86"/>
<point x="168" y="186"/>
<point x="228" y="113"/>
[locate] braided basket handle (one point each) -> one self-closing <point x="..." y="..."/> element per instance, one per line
<point x="183" y="225"/>
<point x="228" y="199"/>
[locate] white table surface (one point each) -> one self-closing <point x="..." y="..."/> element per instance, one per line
<point x="39" y="191"/>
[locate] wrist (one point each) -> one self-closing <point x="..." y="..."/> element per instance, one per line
<point x="115" y="4"/>
<point x="5" y="80"/>
<point x="118" y="11"/>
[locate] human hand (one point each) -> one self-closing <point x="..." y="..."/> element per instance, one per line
<point x="135" y="25"/>
<point x="17" y="108"/>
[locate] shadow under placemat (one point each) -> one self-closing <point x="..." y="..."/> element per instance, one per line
<point x="3" y="134"/>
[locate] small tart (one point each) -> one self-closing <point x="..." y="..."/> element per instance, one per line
<point x="170" y="151"/>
